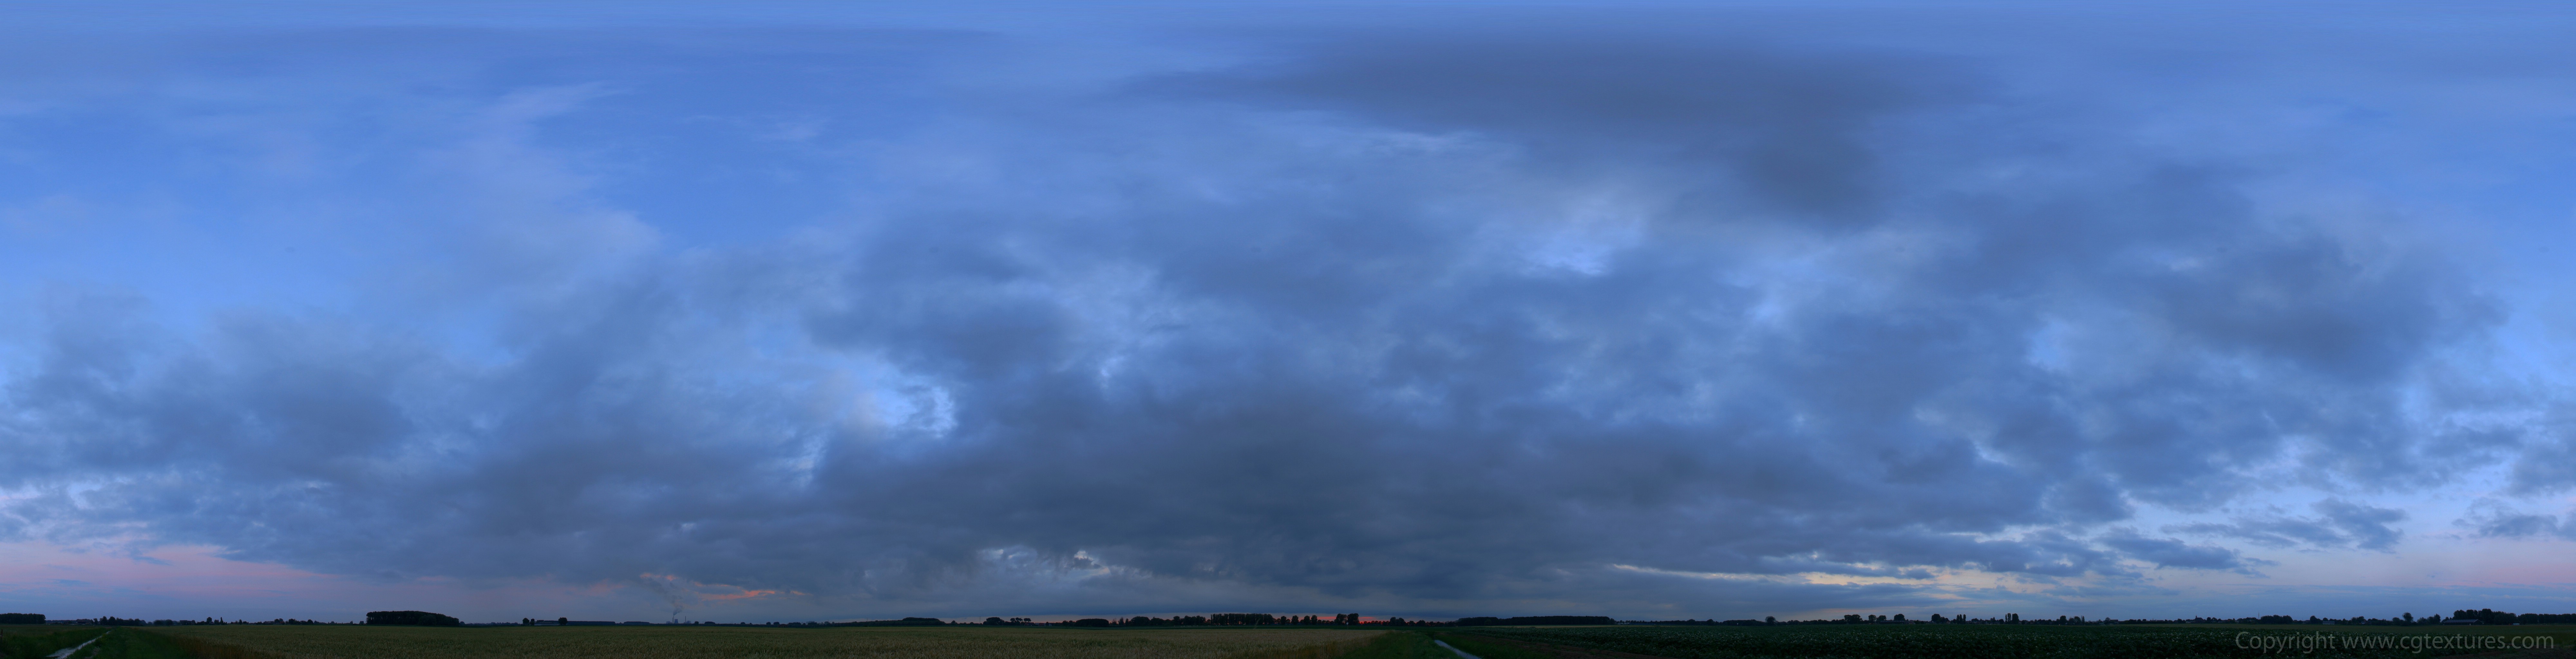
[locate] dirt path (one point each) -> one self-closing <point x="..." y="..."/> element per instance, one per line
<point x="1462" y="654"/>
<point x="66" y="652"/>
<point x="1558" y="651"/>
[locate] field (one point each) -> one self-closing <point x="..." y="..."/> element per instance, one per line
<point x="2008" y="641"/>
<point x="1617" y="642"/>
<point x="356" y="642"/>
<point x="39" y="640"/>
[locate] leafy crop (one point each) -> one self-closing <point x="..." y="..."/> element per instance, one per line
<point x="129" y="643"/>
<point x="2000" y="641"/>
<point x="385" y="642"/>
<point x="30" y="642"/>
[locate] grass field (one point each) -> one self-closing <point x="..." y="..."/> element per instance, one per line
<point x="356" y="642"/>
<point x="1997" y="641"/>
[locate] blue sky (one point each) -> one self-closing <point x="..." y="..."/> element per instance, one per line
<point x="1695" y="310"/>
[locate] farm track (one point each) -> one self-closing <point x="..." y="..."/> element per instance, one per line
<point x="66" y="652"/>
<point x="1462" y="654"/>
<point x="1555" y="651"/>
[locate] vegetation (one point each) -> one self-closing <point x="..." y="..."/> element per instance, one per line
<point x="1393" y="645"/>
<point x="136" y="644"/>
<point x="36" y="641"/>
<point x="2494" y="617"/>
<point x="958" y="642"/>
<point x="1539" y="620"/>
<point x="1916" y="641"/>
<point x="423" y="618"/>
<point x="1487" y="647"/>
<point x="1408" y="645"/>
<point x="906" y="622"/>
<point x="1996" y="641"/>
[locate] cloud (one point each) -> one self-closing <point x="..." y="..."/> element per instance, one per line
<point x="1789" y="133"/>
<point x="2491" y="518"/>
<point x="2339" y="524"/>
<point x="2546" y="463"/>
<point x="1454" y="326"/>
<point x="2168" y="552"/>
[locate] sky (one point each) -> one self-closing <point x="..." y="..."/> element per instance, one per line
<point x="832" y="311"/>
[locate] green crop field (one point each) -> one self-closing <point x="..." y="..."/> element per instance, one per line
<point x="1609" y="642"/>
<point x="379" y="642"/>
<point x="31" y="641"/>
<point x="2021" y="641"/>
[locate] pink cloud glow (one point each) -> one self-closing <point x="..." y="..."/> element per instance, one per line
<point x="192" y="582"/>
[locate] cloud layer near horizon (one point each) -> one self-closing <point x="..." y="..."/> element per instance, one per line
<point x="1612" y="322"/>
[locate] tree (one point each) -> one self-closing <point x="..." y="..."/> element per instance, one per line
<point x="1769" y="620"/>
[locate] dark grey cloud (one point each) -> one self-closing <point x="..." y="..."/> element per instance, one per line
<point x="2546" y="461"/>
<point x="1728" y="124"/>
<point x="2169" y="552"/>
<point x="2493" y="519"/>
<point x="2338" y="524"/>
<point x="1450" y="326"/>
<point x="2519" y="526"/>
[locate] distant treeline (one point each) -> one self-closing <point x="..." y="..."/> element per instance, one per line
<point x="22" y="618"/>
<point x="1232" y="619"/>
<point x="906" y="622"/>
<point x="421" y="618"/>
<point x="113" y="621"/>
<point x="2494" y="617"/>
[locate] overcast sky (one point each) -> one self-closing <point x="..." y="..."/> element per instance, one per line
<point x="1700" y="310"/>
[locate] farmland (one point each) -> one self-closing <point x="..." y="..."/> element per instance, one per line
<point x="2010" y="641"/>
<point x="1604" y="642"/>
<point x="334" y="642"/>
<point x="39" y="640"/>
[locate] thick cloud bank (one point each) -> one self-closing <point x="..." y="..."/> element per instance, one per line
<point x="1457" y="323"/>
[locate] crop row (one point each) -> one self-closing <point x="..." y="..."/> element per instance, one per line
<point x="2011" y="642"/>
